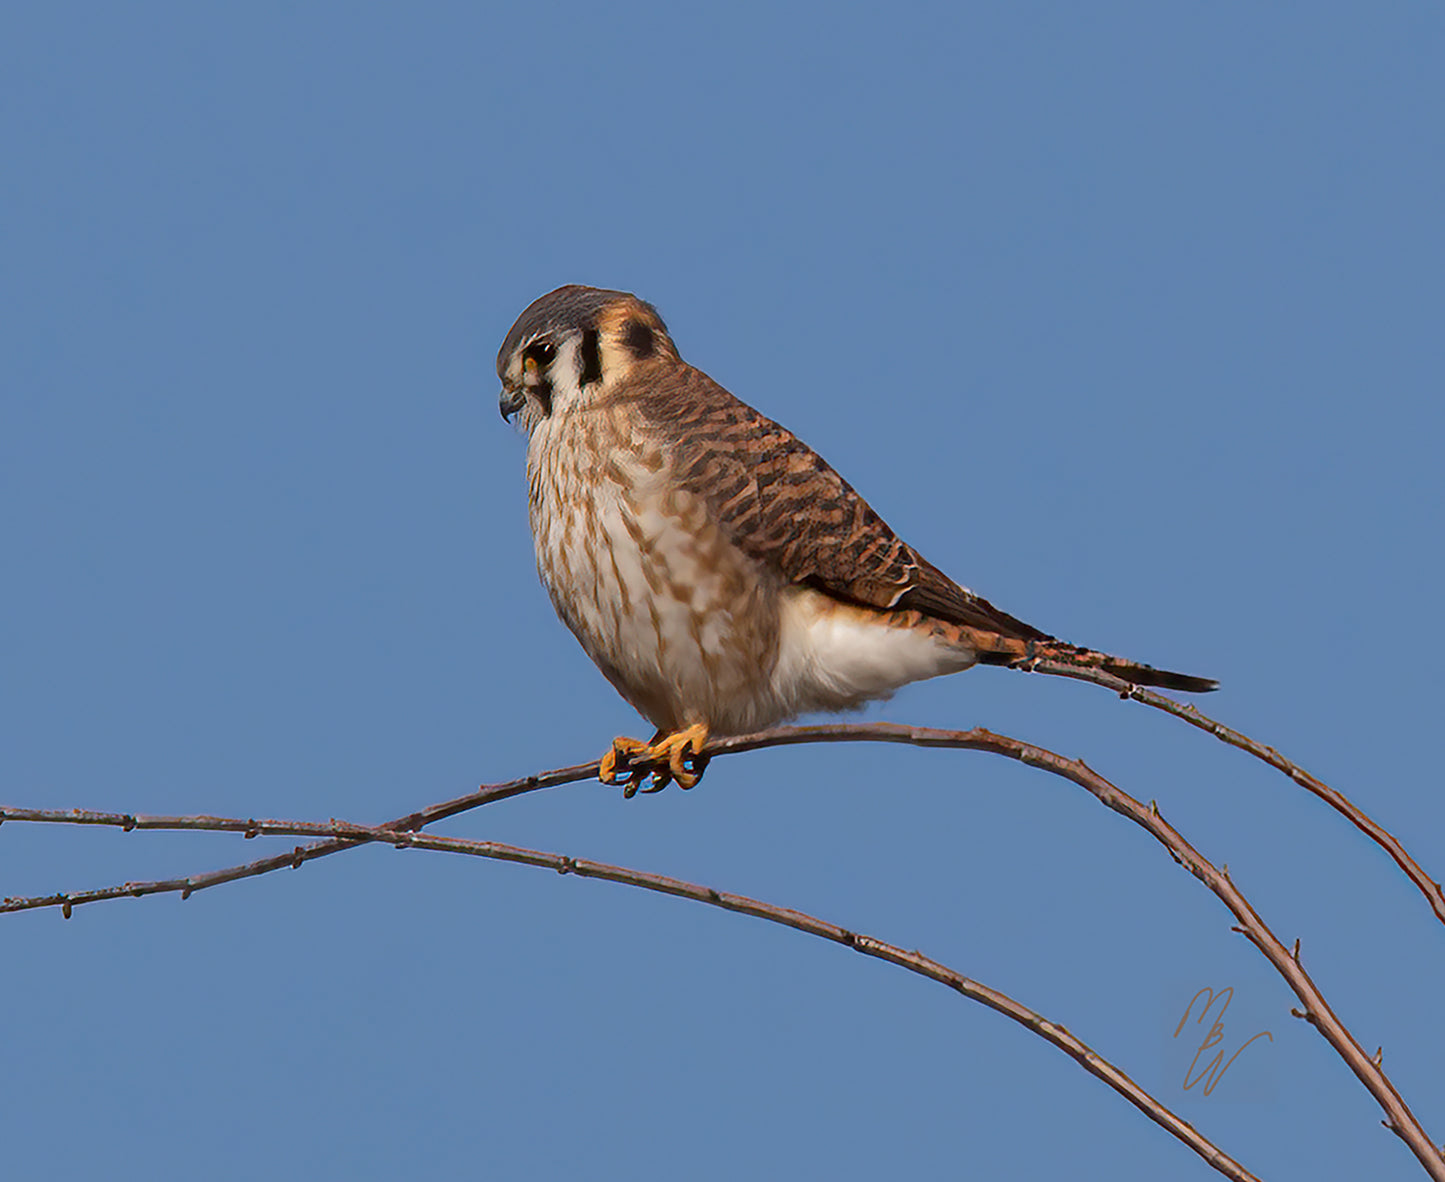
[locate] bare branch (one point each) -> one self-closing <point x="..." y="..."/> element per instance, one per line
<point x="913" y="961"/>
<point x="1432" y="890"/>
<point x="1316" y="1011"/>
<point x="295" y="859"/>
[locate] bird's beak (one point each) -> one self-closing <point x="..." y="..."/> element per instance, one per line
<point x="509" y="402"/>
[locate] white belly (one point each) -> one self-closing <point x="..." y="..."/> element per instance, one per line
<point x="833" y="656"/>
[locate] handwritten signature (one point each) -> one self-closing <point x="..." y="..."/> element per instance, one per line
<point x="1214" y="1069"/>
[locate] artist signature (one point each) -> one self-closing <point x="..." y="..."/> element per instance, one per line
<point x="1214" y="1069"/>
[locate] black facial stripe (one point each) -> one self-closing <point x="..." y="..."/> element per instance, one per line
<point x="568" y="309"/>
<point x="591" y="357"/>
<point x="562" y="310"/>
<point x="543" y="392"/>
<point x="638" y="337"/>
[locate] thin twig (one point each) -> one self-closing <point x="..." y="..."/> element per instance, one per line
<point x="1316" y="1010"/>
<point x="1432" y="890"/>
<point x="913" y="961"/>
<point x="295" y="859"/>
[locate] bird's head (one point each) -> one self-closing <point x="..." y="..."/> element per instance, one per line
<point x="573" y="344"/>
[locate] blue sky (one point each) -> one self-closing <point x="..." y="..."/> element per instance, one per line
<point x="1126" y="315"/>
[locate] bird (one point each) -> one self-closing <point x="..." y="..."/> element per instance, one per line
<point x="721" y="575"/>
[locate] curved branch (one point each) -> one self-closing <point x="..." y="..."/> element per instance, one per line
<point x="1432" y="890"/>
<point x="913" y="961"/>
<point x="295" y="859"/>
<point x="1316" y="1010"/>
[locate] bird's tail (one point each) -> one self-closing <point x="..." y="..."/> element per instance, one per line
<point x="994" y="648"/>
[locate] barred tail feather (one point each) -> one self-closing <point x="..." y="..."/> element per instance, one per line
<point x="995" y="649"/>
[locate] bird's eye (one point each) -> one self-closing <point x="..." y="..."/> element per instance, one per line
<point x="538" y="356"/>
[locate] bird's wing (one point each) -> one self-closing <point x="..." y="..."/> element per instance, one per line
<point x="783" y="505"/>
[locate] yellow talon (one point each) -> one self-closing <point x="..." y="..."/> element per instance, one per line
<point x="622" y="759"/>
<point x="664" y="759"/>
<point x="677" y="747"/>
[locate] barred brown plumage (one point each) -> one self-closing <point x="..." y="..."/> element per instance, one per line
<point x="718" y="571"/>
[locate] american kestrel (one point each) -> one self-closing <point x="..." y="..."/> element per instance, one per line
<point x="722" y="576"/>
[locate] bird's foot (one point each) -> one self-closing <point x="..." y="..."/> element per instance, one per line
<point x="676" y="756"/>
<point x="625" y="763"/>
<point x="683" y="751"/>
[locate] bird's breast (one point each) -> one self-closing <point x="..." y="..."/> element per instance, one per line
<point x="682" y="622"/>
